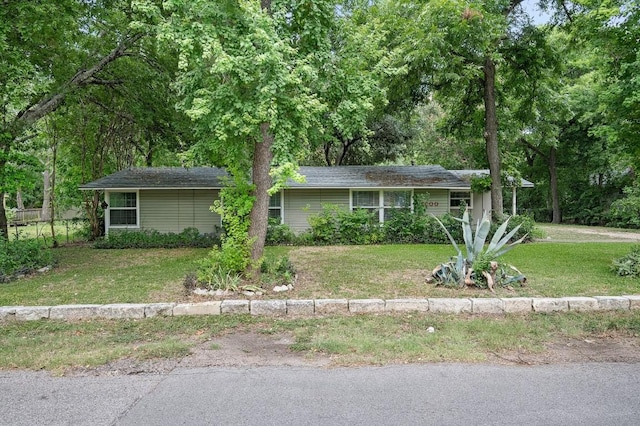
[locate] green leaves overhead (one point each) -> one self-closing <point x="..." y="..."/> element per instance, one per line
<point x="240" y="67"/>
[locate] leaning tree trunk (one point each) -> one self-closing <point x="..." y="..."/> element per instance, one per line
<point x="553" y="183"/>
<point x="491" y="137"/>
<point x="259" y="215"/>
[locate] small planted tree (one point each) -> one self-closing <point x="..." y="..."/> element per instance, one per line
<point x="479" y="266"/>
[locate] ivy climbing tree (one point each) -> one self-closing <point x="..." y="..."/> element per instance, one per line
<point x="245" y="73"/>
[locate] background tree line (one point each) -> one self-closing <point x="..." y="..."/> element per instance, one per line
<point x="90" y="87"/>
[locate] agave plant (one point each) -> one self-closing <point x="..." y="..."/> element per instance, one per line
<point x="480" y="265"/>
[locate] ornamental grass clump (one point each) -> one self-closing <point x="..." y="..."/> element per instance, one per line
<point x="480" y="267"/>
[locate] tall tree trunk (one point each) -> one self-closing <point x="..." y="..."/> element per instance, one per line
<point x="491" y="137"/>
<point x="4" y="227"/>
<point x="4" y="153"/>
<point x="46" y="196"/>
<point x="52" y="196"/>
<point x="553" y="184"/>
<point x="262" y="157"/>
<point x="19" y="201"/>
<point x="259" y="215"/>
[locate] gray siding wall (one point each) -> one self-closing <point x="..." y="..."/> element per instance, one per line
<point x="481" y="203"/>
<point x="175" y="210"/>
<point x="438" y="203"/>
<point x="299" y="204"/>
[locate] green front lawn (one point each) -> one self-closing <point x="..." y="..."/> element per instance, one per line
<point x="84" y="275"/>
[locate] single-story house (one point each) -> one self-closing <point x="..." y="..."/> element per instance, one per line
<point x="172" y="199"/>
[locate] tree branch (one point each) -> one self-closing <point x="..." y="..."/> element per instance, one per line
<point x="111" y="110"/>
<point x="533" y="148"/>
<point x="83" y="77"/>
<point x="24" y="138"/>
<point x="566" y="11"/>
<point x="101" y="82"/>
<point x="512" y="5"/>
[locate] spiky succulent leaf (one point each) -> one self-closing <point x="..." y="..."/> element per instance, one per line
<point x="467" y="234"/>
<point x="482" y="231"/>
<point x="505" y="249"/>
<point x="504" y="240"/>
<point x="446" y="231"/>
<point x="498" y="235"/>
<point x="461" y="269"/>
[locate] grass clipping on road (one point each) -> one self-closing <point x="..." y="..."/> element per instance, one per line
<point x="345" y="340"/>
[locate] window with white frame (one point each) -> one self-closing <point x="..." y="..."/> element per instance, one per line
<point x="368" y="200"/>
<point x="458" y="198"/>
<point x="275" y="207"/>
<point x="123" y="209"/>
<point x="394" y="200"/>
<point x="383" y="202"/>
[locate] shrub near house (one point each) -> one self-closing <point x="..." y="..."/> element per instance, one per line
<point x="337" y="226"/>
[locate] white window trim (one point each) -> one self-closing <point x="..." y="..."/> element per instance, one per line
<point x="381" y="205"/>
<point x="107" y="214"/>
<point x="281" y="207"/>
<point x="470" y="205"/>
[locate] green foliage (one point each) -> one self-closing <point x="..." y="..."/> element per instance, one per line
<point x="335" y="225"/>
<point x="21" y="257"/>
<point x="278" y="270"/>
<point x="234" y="207"/>
<point x="479" y="266"/>
<point x="480" y="184"/>
<point x="625" y="213"/>
<point x="189" y="237"/>
<point x="324" y="226"/>
<point x="214" y="277"/>
<point x="526" y="231"/>
<point x="628" y="265"/>
<point x="11" y="215"/>
<point x="358" y="227"/>
<point x="279" y="233"/>
<point x="404" y="227"/>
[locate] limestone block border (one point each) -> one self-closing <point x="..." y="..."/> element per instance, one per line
<point x="309" y="307"/>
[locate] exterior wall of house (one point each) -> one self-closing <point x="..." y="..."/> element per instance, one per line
<point x="481" y="203"/>
<point x="299" y="204"/>
<point x="175" y="210"/>
<point x="438" y="202"/>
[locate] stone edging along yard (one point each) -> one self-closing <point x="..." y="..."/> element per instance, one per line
<point x="295" y="307"/>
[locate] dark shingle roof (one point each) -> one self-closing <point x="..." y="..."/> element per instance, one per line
<point x="379" y="177"/>
<point x="160" y="177"/>
<point x="316" y="177"/>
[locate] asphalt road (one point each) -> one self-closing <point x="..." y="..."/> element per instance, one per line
<point x="437" y="394"/>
